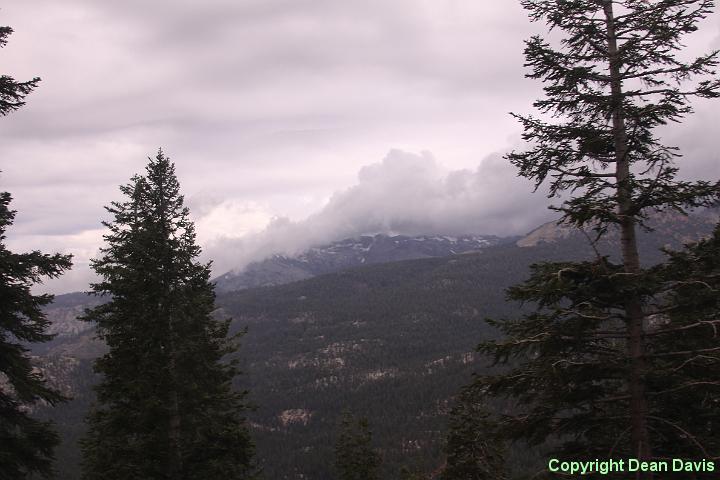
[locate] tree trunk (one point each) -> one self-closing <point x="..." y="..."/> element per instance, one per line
<point x="633" y="306"/>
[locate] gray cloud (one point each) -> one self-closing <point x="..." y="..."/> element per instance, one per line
<point x="269" y="107"/>
<point x="406" y="193"/>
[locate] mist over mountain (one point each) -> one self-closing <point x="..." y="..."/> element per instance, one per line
<point x="348" y="253"/>
<point x="404" y="194"/>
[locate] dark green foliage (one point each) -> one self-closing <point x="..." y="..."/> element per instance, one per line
<point x="474" y="451"/>
<point x="26" y="443"/>
<point x="684" y="351"/>
<point x="583" y="361"/>
<point x="165" y="407"/>
<point x="12" y="93"/>
<point x="615" y="77"/>
<point x="355" y="457"/>
<point x="569" y="357"/>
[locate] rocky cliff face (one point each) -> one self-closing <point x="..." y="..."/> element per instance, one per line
<point x="73" y="337"/>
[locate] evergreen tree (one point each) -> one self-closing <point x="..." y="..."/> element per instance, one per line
<point x="355" y="458"/>
<point x="473" y="449"/>
<point x="684" y="352"/>
<point x="26" y="444"/>
<point x="581" y="361"/>
<point x="569" y="358"/>
<point x="12" y="92"/>
<point x="165" y="405"/>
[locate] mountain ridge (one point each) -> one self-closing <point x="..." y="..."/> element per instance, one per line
<point x="348" y="253"/>
<point x="676" y="227"/>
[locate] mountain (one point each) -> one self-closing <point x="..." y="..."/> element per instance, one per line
<point x="73" y="337"/>
<point x="392" y="342"/>
<point x="669" y="229"/>
<point x="389" y="341"/>
<point x="280" y="269"/>
<point x="348" y="253"/>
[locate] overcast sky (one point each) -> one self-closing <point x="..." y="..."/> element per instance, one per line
<point x="291" y="122"/>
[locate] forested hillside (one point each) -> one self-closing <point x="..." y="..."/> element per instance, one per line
<point x="392" y="342"/>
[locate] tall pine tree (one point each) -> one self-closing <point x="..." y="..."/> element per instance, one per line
<point x="26" y="444"/>
<point x="581" y="361"/>
<point x="165" y="406"/>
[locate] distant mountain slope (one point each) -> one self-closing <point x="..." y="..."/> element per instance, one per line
<point x="394" y="341"/>
<point x="348" y="253"/>
<point x="391" y="341"/>
<point x="279" y="270"/>
<point x="670" y="229"/>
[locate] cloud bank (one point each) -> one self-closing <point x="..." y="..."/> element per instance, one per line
<point x="268" y="107"/>
<point x="405" y="193"/>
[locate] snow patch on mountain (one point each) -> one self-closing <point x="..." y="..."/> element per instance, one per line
<point x="348" y="253"/>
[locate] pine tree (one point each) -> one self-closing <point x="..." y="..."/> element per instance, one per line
<point x="355" y="458"/>
<point x="684" y="352"/>
<point x="473" y="449"/>
<point x="165" y="405"/>
<point x="569" y="358"/>
<point x="582" y="368"/>
<point x="26" y="444"/>
<point x="12" y="92"/>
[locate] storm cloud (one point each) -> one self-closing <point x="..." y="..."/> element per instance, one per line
<point x="405" y="193"/>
